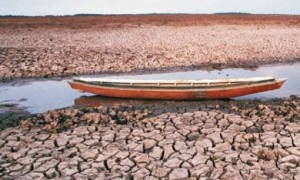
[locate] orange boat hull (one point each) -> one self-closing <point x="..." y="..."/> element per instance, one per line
<point x="171" y="94"/>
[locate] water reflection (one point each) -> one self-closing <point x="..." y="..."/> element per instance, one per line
<point x="41" y="96"/>
<point x="98" y="100"/>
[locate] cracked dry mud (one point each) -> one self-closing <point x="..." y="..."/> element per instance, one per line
<point x="122" y="142"/>
<point x="226" y="41"/>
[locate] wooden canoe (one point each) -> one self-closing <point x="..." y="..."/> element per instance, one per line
<point x="176" y="89"/>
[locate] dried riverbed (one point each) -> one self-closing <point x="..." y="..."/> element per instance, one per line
<point x="207" y="42"/>
<point x="209" y="139"/>
<point x="232" y="139"/>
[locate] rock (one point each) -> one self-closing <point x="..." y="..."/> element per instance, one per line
<point x="90" y="154"/>
<point x="168" y="150"/>
<point x="141" y="173"/>
<point x="26" y="160"/>
<point x="139" y="148"/>
<point x="174" y="135"/>
<point x="68" y="168"/>
<point x="254" y="129"/>
<point x="80" y="131"/>
<point x="215" y="137"/>
<point x="296" y="139"/>
<point x="286" y="142"/>
<point x="223" y="123"/>
<point x="108" y="137"/>
<point x="231" y="173"/>
<point x="294" y="150"/>
<point x="235" y="119"/>
<point x="281" y="152"/>
<point x="186" y="165"/>
<point x="91" y="142"/>
<point x="268" y="127"/>
<point x="160" y="172"/>
<point x="49" y="144"/>
<point x="18" y="154"/>
<point x="290" y="159"/>
<point x="186" y="156"/>
<point x="149" y="144"/>
<point x="122" y="154"/>
<point x="2" y="142"/>
<point x="297" y="176"/>
<point x="286" y="166"/>
<point x="156" y="153"/>
<point x="221" y="147"/>
<point x="205" y="143"/>
<point x="42" y="137"/>
<point x="24" y="177"/>
<point x="100" y="176"/>
<point x="264" y="153"/>
<point x="216" y="173"/>
<point x="198" y="159"/>
<point x="36" y="175"/>
<point x="200" y="171"/>
<point x="293" y="128"/>
<point x="193" y="136"/>
<point x="269" y="142"/>
<point x="236" y="128"/>
<point x="92" y="117"/>
<point x="180" y="145"/>
<point x="219" y="116"/>
<point x="62" y="140"/>
<point x="70" y="152"/>
<point x="173" y="163"/>
<point x="247" y="124"/>
<point x="248" y="157"/>
<point x="231" y="157"/>
<point x="142" y="158"/>
<point x="239" y="138"/>
<point x="184" y="132"/>
<point x="102" y="157"/>
<point x="13" y="144"/>
<point x="179" y="173"/>
<point x="90" y="173"/>
<point x="15" y="167"/>
<point x="45" y="167"/>
<point x="76" y="140"/>
<point x="127" y="162"/>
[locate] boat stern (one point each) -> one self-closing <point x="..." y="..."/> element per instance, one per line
<point x="280" y="82"/>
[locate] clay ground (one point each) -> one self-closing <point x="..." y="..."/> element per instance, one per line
<point x="164" y="140"/>
<point x="167" y="140"/>
<point x="66" y="46"/>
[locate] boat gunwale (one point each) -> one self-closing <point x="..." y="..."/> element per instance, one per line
<point x="174" y="84"/>
<point x="180" y="89"/>
<point x="225" y="80"/>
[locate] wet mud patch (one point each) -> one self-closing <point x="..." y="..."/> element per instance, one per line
<point x="11" y="115"/>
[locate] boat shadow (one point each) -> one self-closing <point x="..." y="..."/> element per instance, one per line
<point x="97" y="100"/>
<point x="157" y="107"/>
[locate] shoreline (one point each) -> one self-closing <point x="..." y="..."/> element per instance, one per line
<point x="12" y="114"/>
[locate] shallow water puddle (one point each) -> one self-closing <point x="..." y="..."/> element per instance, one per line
<point x="40" y="96"/>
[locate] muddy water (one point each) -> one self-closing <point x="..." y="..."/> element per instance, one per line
<point x="40" y="96"/>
